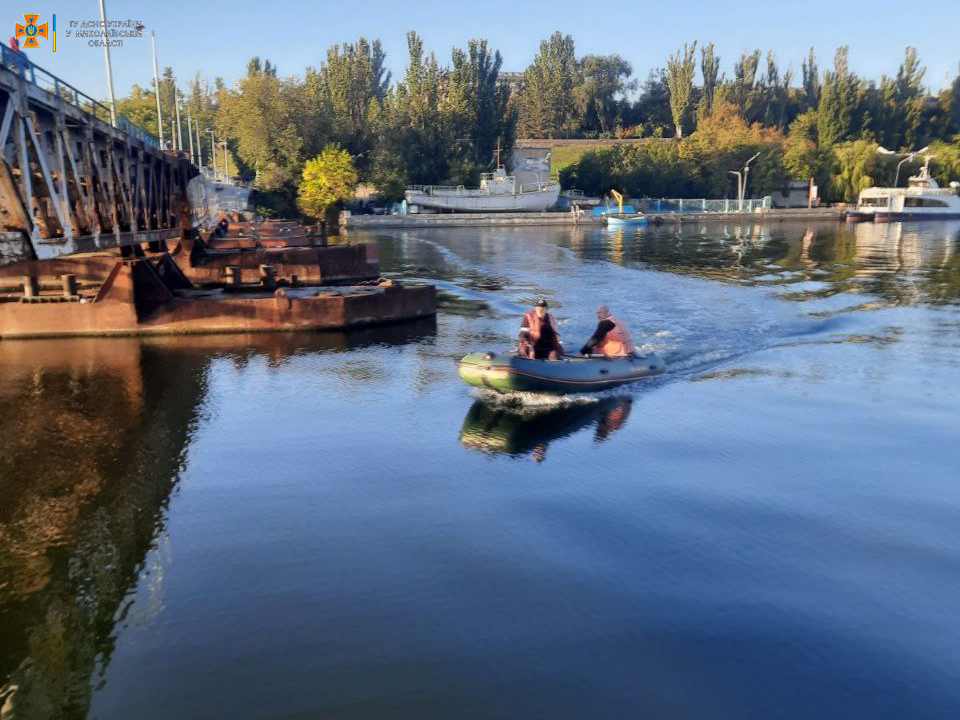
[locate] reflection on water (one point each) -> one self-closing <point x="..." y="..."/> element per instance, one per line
<point x="496" y="429"/>
<point x="94" y="434"/>
<point x="901" y="262"/>
<point x="203" y="527"/>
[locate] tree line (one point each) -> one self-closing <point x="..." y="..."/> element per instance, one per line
<point x="442" y="122"/>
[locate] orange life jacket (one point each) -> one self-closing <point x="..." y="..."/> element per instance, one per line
<point x="617" y="342"/>
<point x="534" y="323"/>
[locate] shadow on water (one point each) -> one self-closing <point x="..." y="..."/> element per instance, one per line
<point x="94" y="436"/>
<point x="499" y="429"/>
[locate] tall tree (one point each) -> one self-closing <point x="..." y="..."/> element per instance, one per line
<point x="838" y="100"/>
<point x="743" y="91"/>
<point x="680" y="70"/>
<point x="546" y="99"/>
<point x="349" y="89"/>
<point x="811" y="82"/>
<point x="953" y="107"/>
<point x="909" y="97"/>
<point x="775" y="92"/>
<point x="477" y="107"/>
<point x="603" y="80"/>
<point x="710" y="68"/>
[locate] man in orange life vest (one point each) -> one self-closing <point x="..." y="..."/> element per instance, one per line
<point x="611" y="338"/>
<point x="538" y="334"/>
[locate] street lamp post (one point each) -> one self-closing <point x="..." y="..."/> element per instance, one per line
<point x="190" y="133"/>
<point x="156" y="86"/>
<point x="213" y="155"/>
<point x="106" y="59"/>
<point x="196" y="129"/>
<point x="176" y="105"/>
<point x="746" y="172"/>
<point x="739" y="188"/>
<point x="908" y="156"/>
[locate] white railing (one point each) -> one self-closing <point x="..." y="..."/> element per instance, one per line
<point x="705" y="205"/>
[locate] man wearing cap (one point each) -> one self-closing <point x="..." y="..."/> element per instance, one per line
<point x="611" y="338"/>
<point x="538" y="334"/>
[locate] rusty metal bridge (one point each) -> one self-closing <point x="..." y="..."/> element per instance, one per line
<point x="70" y="181"/>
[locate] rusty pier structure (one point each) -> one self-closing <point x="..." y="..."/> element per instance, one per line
<point x="98" y="236"/>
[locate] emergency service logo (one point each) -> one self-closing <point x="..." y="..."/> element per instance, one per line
<point x="30" y="31"/>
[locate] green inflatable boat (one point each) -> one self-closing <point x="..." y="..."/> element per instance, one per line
<point x="507" y="372"/>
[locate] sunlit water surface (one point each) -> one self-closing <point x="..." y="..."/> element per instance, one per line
<point x="334" y="526"/>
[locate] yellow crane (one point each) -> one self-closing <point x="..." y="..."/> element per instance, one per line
<point x="619" y="198"/>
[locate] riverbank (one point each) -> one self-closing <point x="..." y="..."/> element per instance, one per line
<point x="356" y="222"/>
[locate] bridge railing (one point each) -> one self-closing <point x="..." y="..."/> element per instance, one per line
<point x="19" y="63"/>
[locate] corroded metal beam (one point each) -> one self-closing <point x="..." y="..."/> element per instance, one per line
<point x="71" y="182"/>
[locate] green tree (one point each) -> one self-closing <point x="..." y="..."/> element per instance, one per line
<point x="838" y="100"/>
<point x="603" y="81"/>
<point x="680" y="70"/>
<point x="775" y="94"/>
<point x="326" y="179"/>
<point x="952" y="108"/>
<point x="547" y="103"/>
<point x="710" y="68"/>
<point x="802" y="159"/>
<point x="743" y="90"/>
<point x="265" y="122"/>
<point x="477" y="106"/>
<point x="348" y="91"/>
<point x="413" y="138"/>
<point x="811" y="82"/>
<point x="856" y="166"/>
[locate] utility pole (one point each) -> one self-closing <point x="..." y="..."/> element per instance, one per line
<point x="176" y="104"/>
<point x="224" y="143"/>
<point x="106" y="58"/>
<point x="213" y="151"/>
<point x="196" y="129"/>
<point x="156" y="86"/>
<point x="190" y="134"/>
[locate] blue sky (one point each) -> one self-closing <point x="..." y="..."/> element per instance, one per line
<point x="217" y="38"/>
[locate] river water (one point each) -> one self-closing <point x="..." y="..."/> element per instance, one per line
<point x="334" y="526"/>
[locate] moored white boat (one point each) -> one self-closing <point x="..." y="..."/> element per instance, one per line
<point x="498" y="192"/>
<point x="922" y="199"/>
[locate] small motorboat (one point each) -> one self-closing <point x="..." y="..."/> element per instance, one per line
<point x="507" y="372"/>
<point x="626" y="220"/>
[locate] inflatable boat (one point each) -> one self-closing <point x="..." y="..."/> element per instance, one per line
<point x="507" y="372"/>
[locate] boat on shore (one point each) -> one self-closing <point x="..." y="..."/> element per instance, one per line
<point x="922" y="199"/>
<point x="498" y="192"/>
<point x="508" y="372"/>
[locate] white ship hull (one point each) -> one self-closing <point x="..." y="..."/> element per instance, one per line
<point x="463" y="200"/>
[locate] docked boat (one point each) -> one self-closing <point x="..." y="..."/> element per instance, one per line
<point x="625" y="220"/>
<point x="498" y="192"/>
<point x="508" y="372"/>
<point x="922" y="199"/>
<point x="623" y="217"/>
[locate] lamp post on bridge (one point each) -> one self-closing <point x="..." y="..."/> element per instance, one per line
<point x="196" y="129"/>
<point x="156" y="86"/>
<point x="224" y="144"/>
<point x="213" y="150"/>
<point x="106" y="59"/>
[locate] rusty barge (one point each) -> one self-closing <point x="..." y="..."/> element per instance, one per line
<point x="103" y="232"/>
